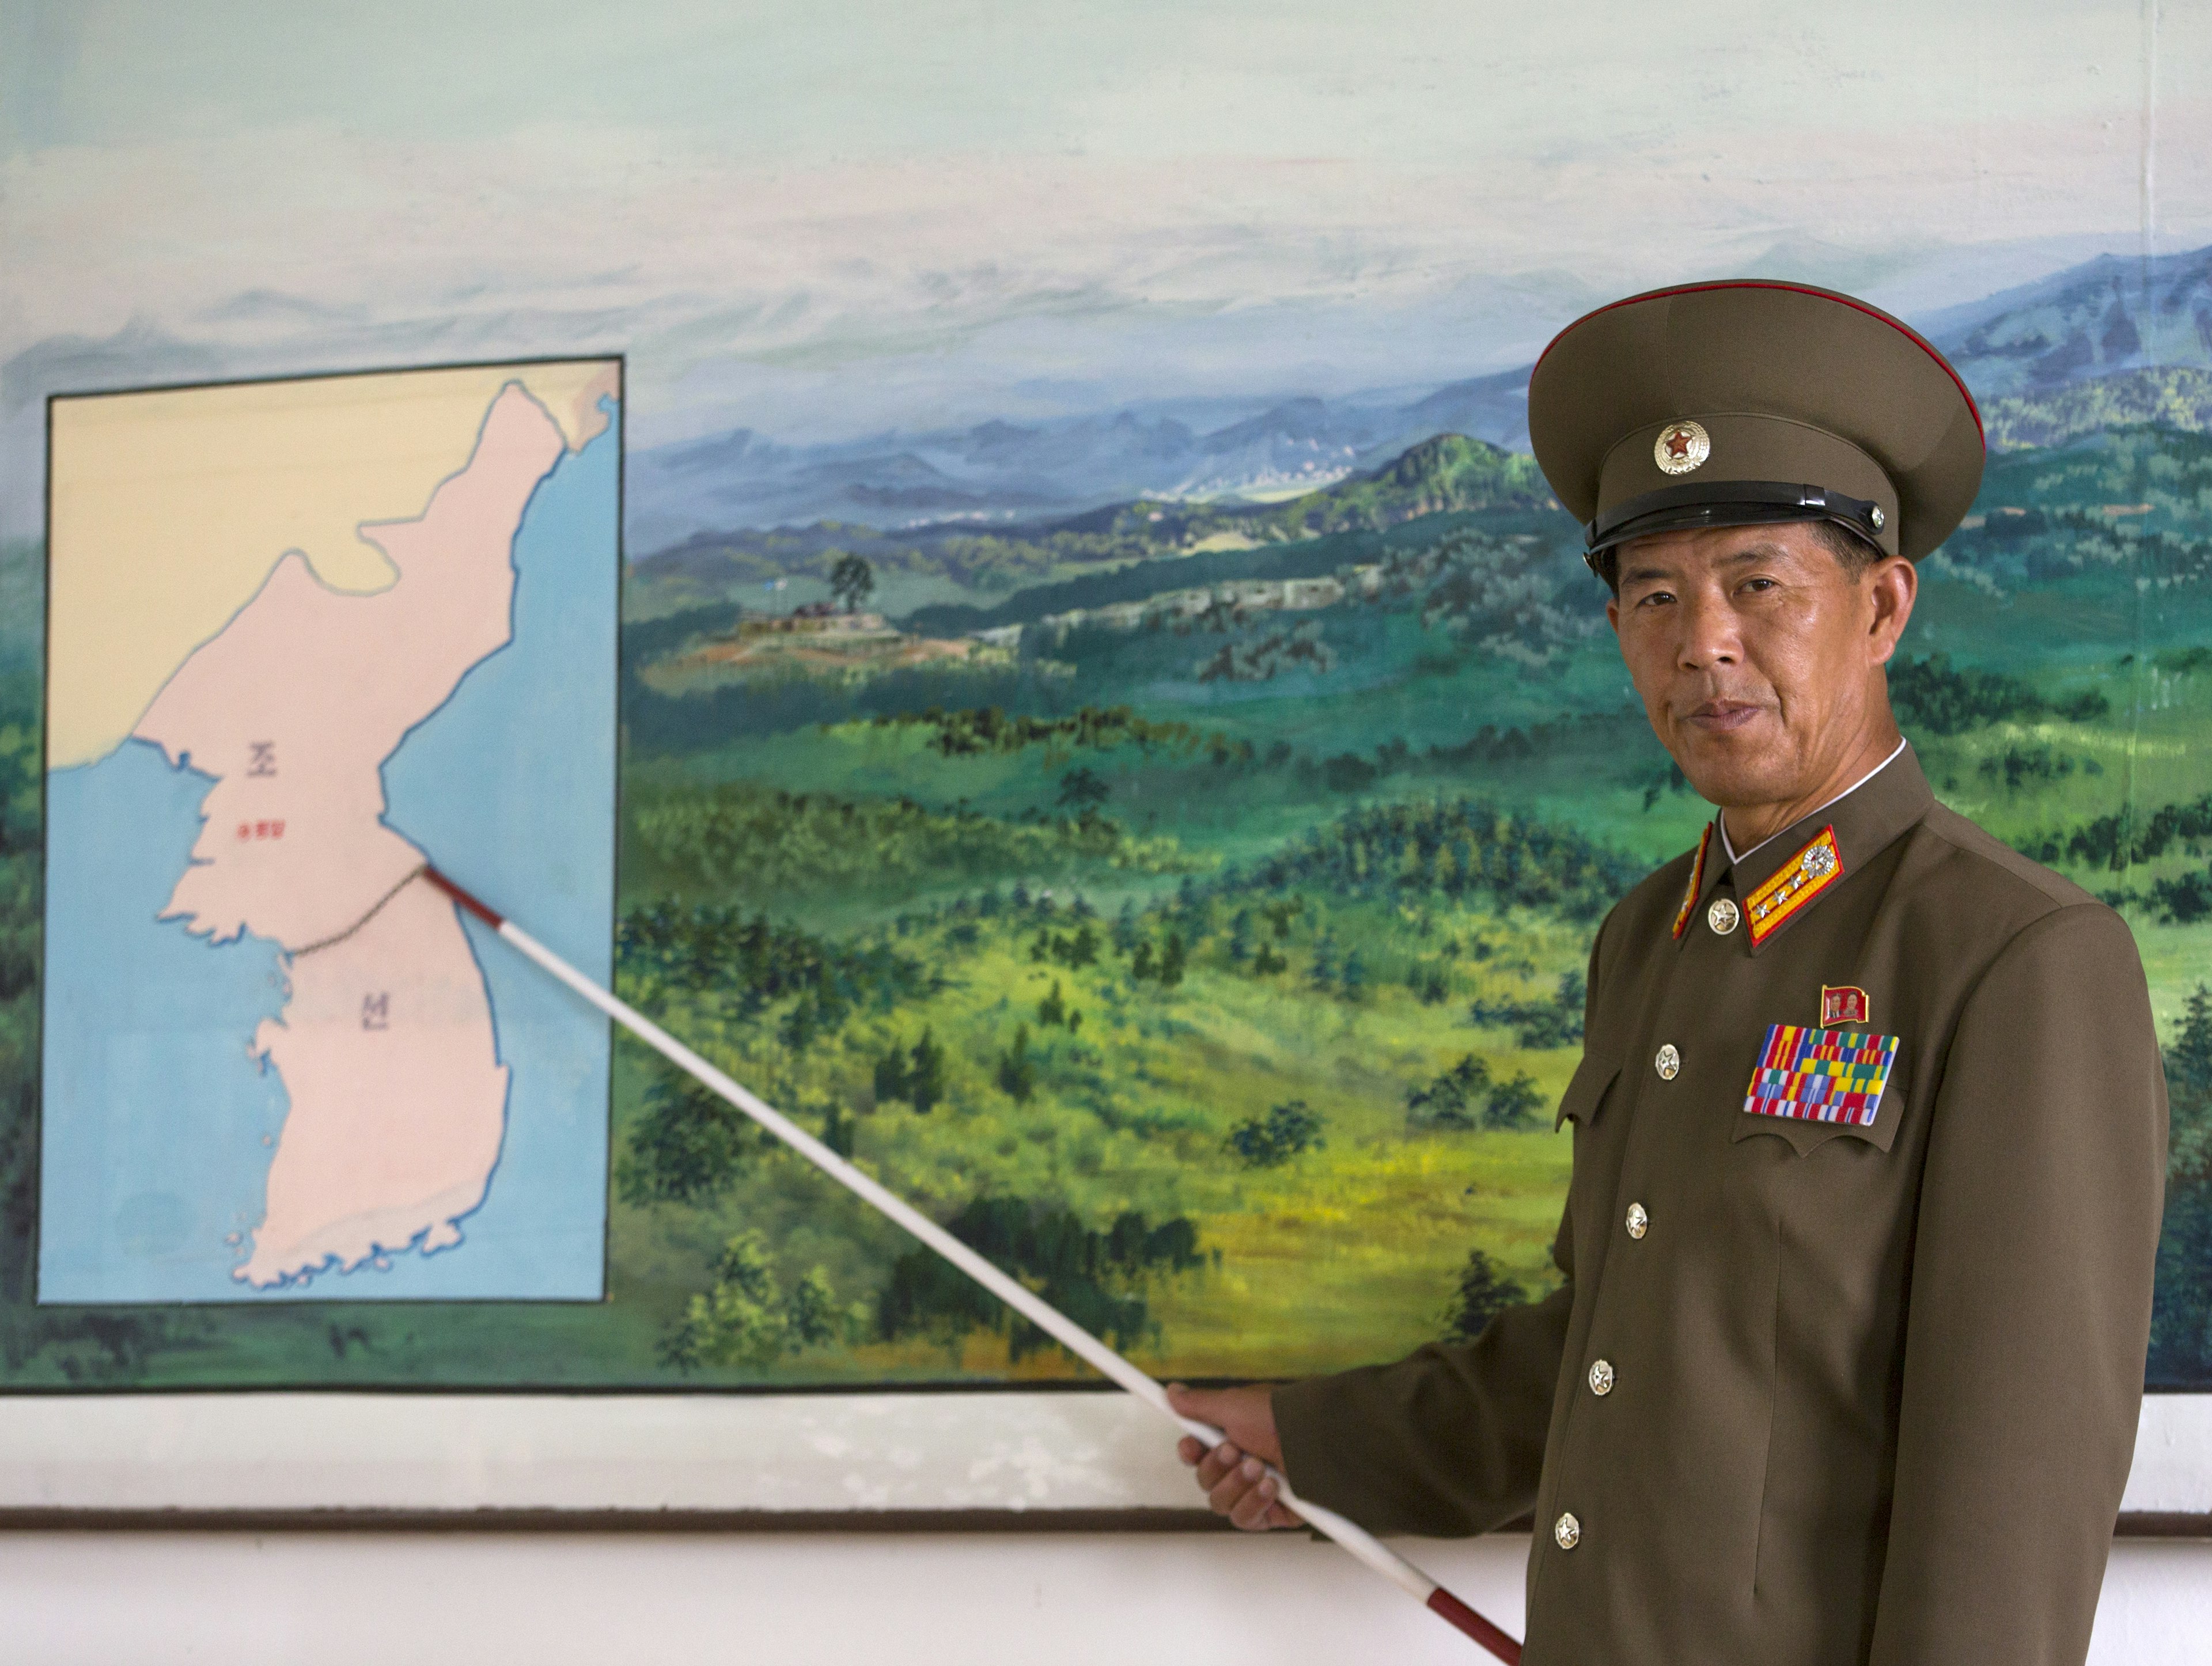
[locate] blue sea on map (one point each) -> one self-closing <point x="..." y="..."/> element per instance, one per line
<point x="158" y="1125"/>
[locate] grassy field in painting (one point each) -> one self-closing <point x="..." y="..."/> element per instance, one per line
<point x="2055" y="681"/>
<point x="1210" y="959"/>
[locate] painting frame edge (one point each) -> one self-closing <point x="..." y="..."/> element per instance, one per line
<point x="1084" y="1461"/>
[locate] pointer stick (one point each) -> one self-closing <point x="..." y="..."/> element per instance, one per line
<point x="1024" y="1302"/>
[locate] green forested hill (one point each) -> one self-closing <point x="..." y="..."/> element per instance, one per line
<point x="1212" y="970"/>
<point x="2178" y="398"/>
<point x="1448" y="473"/>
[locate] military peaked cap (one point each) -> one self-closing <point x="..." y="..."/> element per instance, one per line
<point x="1731" y="404"/>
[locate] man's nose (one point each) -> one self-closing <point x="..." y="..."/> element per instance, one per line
<point x="1709" y="636"/>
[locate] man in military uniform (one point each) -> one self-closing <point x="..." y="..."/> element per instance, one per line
<point x="1870" y="1124"/>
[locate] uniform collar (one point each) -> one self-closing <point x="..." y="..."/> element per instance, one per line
<point x="1866" y="820"/>
<point x="1720" y="821"/>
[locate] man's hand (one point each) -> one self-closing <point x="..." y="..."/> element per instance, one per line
<point x="1233" y="1476"/>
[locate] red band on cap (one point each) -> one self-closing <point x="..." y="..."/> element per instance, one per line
<point x="1905" y="329"/>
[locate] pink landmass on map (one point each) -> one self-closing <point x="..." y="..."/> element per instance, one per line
<point x="293" y="708"/>
<point x="398" y="1095"/>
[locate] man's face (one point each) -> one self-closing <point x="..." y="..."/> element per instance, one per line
<point x="1758" y="660"/>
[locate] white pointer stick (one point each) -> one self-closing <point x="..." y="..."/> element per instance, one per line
<point x="1026" y="1302"/>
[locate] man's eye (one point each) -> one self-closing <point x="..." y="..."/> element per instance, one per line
<point x="1654" y="599"/>
<point x="1759" y="584"/>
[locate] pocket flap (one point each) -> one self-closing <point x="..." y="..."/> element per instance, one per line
<point x="1585" y="1094"/>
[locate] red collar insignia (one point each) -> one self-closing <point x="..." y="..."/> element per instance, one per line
<point x="1815" y="866"/>
<point x="1697" y="884"/>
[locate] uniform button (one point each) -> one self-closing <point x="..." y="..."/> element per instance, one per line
<point x="1669" y="1063"/>
<point x="1722" y="916"/>
<point x="1567" y="1532"/>
<point x="1601" y="1379"/>
<point x="1638" y="1222"/>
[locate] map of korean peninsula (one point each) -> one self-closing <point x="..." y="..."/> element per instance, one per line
<point x="277" y="1064"/>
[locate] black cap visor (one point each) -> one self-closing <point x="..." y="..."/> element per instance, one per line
<point x="1728" y="502"/>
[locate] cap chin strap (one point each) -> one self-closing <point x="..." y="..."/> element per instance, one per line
<point x="1728" y="503"/>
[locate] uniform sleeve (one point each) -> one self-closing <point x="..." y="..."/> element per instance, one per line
<point x="2029" y="1306"/>
<point x="1446" y="1442"/>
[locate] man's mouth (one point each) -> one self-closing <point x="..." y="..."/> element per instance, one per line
<point x="1721" y="716"/>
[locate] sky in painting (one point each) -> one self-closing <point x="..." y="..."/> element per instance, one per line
<point x="818" y="218"/>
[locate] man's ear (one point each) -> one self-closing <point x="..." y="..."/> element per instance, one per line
<point x="1893" y="584"/>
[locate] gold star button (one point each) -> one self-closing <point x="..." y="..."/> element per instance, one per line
<point x="1722" y="916"/>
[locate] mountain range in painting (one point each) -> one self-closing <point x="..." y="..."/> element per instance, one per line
<point x="2019" y="350"/>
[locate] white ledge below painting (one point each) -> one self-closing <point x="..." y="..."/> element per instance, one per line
<point x="802" y="1454"/>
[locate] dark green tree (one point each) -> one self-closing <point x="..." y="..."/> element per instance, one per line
<point x="853" y="581"/>
<point x="747" y="1318"/>
<point x="1482" y="1294"/>
<point x="1124" y="928"/>
<point x="801" y="1024"/>
<point x="1017" y="1070"/>
<point x="1053" y="1010"/>
<point x="1083" y="947"/>
<point x="1454" y="1099"/>
<point x="1171" y="960"/>
<point x="812" y="1315"/>
<point x="890" y="1082"/>
<point x="687" y="1146"/>
<point x="2181" y="1313"/>
<point x="1082" y="790"/>
<point x="737" y="1321"/>
<point x="1270" y="1141"/>
<point x="1540" y="1025"/>
<point x="1239" y="937"/>
<point x="1352" y="982"/>
<point x="1511" y="1103"/>
<point x="925" y="1082"/>
<point x="1098" y="1278"/>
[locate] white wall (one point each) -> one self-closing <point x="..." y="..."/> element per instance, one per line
<point x="779" y="1599"/>
<point x="332" y="1599"/>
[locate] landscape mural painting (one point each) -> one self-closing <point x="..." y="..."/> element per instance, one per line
<point x="1187" y="901"/>
<point x="1155" y="822"/>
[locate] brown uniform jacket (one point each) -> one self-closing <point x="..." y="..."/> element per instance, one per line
<point x="1870" y="1392"/>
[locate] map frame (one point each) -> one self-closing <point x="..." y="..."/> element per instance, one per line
<point x="305" y="1297"/>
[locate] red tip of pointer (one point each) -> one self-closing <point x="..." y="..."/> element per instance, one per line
<point x="1442" y="1603"/>
<point x="463" y="898"/>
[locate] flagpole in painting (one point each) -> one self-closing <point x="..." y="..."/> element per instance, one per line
<point x="1018" y="1296"/>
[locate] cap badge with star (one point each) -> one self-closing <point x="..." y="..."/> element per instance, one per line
<point x="1745" y="403"/>
<point x="1683" y="446"/>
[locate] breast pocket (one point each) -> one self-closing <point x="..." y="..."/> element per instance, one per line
<point x="1586" y="1093"/>
<point x="1810" y="1086"/>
